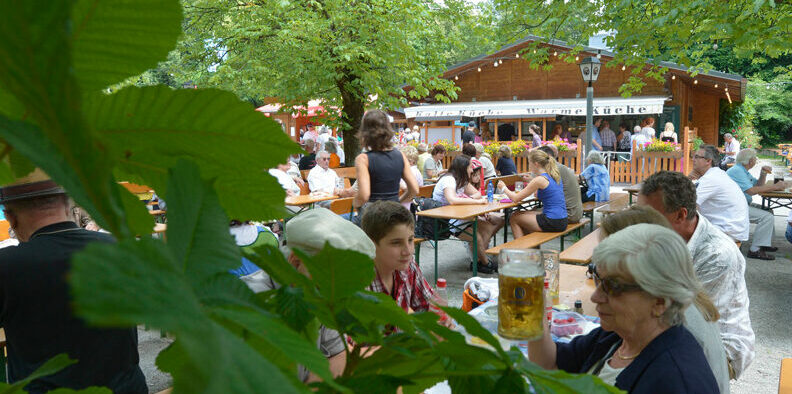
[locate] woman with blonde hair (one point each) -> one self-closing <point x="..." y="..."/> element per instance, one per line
<point x="700" y="319"/>
<point x="668" y="134"/>
<point x="547" y="186"/>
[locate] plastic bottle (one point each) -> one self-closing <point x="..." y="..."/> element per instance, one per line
<point x="548" y="302"/>
<point x="490" y="192"/>
<point x="441" y="290"/>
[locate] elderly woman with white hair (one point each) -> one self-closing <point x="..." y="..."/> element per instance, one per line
<point x="645" y="282"/>
<point x="596" y="185"/>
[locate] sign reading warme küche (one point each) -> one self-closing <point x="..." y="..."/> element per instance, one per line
<point x="537" y="108"/>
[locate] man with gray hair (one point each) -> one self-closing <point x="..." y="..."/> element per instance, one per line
<point x="764" y="220"/>
<point x="719" y="198"/>
<point x="731" y="147"/>
<point x="717" y="261"/>
<point x="308" y="232"/>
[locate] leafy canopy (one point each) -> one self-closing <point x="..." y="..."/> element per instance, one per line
<point x="679" y="31"/>
<point x="204" y="151"/>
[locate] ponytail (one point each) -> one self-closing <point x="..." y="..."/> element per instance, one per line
<point x="547" y="162"/>
<point x="706" y="307"/>
<point x="552" y="169"/>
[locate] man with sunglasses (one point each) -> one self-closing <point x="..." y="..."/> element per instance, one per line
<point x="719" y="198"/>
<point x="717" y="261"/>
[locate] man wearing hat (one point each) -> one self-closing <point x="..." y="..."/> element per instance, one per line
<point x="308" y="232"/>
<point x="36" y="310"/>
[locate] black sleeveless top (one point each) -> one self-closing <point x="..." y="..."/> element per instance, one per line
<point x="385" y="172"/>
<point x="667" y="139"/>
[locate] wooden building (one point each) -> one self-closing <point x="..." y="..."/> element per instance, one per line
<point x="503" y="88"/>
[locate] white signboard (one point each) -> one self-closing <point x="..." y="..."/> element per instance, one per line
<point x="534" y="108"/>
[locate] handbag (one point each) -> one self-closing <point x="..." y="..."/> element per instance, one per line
<point x="424" y="226"/>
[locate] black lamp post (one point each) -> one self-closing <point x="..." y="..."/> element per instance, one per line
<point x="590" y="69"/>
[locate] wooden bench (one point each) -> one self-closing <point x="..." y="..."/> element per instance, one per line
<point x="580" y="252"/>
<point x="785" y="379"/>
<point x="345" y="172"/>
<point x="533" y="240"/>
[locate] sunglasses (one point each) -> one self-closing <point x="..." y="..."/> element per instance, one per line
<point x="611" y="287"/>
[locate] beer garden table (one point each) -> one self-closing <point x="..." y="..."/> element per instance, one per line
<point x="467" y="212"/>
<point x="306" y="201"/>
<point x="777" y="199"/>
<point x="633" y="190"/>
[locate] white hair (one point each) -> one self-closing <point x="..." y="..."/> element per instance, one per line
<point x="657" y="259"/>
<point x="669" y="127"/>
<point x="745" y="156"/>
<point x="479" y="147"/>
<point x="637" y="129"/>
<point x="594" y="157"/>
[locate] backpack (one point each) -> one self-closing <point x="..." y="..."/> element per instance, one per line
<point x="424" y="226"/>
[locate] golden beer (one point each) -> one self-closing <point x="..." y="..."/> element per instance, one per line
<point x="521" y="297"/>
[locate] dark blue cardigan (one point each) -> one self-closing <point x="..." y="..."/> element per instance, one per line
<point x="672" y="363"/>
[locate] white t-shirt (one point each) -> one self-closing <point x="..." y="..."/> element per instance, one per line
<point x="733" y="146"/>
<point x="416" y="136"/>
<point x="723" y="203"/>
<point x="285" y="180"/>
<point x="608" y="374"/>
<point x="321" y="180"/>
<point x="438" y="194"/>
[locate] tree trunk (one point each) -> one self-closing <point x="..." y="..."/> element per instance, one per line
<point x="354" y="106"/>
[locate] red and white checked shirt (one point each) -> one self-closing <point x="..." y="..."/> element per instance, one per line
<point x="410" y="290"/>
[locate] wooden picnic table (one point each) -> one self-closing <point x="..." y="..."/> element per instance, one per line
<point x="776" y="199"/>
<point x="633" y="190"/>
<point x="306" y="201"/>
<point x="574" y="285"/>
<point x="469" y="212"/>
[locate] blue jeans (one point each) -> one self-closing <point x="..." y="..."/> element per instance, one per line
<point x="789" y="232"/>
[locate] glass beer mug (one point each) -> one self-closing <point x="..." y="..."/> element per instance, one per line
<point x="520" y="300"/>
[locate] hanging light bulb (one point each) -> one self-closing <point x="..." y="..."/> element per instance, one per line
<point x="673" y="77"/>
<point x="534" y="50"/>
<point x="495" y="64"/>
<point x="456" y="78"/>
<point x="716" y="86"/>
<point x="577" y="58"/>
<point x="555" y="53"/>
<point x="695" y="82"/>
<point x="624" y="68"/>
<point x="599" y="55"/>
<point x="516" y="55"/>
<point x="726" y="89"/>
<point x="500" y="61"/>
<point x="479" y="69"/>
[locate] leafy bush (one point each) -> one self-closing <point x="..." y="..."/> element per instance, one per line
<point x="203" y="151"/>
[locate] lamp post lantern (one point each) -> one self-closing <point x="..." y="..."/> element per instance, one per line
<point x="590" y="69"/>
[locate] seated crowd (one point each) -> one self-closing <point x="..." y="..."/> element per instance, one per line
<point x="670" y="285"/>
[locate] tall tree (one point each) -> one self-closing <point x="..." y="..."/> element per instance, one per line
<point x="349" y="54"/>
<point x="681" y="31"/>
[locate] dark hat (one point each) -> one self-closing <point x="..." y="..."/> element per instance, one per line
<point x="472" y="124"/>
<point x="35" y="184"/>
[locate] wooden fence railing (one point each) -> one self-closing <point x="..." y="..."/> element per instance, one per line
<point x="641" y="166"/>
